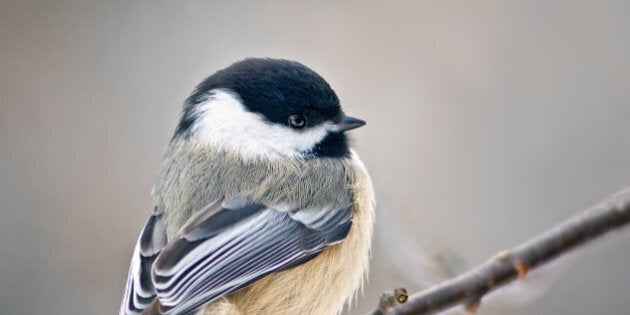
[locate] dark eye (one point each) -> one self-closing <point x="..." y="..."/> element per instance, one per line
<point x="297" y="121"/>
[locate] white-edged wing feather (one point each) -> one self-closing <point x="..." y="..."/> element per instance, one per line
<point x="233" y="243"/>
<point x="140" y="292"/>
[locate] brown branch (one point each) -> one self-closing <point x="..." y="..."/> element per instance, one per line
<point x="469" y="288"/>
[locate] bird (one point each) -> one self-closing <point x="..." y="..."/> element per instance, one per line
<point x="260" y="205"/>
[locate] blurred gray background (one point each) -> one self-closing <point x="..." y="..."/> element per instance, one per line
<point x="489" y="121"/>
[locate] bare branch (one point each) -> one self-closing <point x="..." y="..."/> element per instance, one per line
<point x="469" y="288"/>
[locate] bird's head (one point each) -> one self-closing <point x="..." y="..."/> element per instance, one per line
<point x="267" y="108"/>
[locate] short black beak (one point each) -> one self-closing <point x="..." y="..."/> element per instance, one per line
<point x="348" y="122"/>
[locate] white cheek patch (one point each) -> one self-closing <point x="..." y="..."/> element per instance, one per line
<point x="226" y="124"/>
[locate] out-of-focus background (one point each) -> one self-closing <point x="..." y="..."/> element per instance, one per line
<point x="488" y="123"/>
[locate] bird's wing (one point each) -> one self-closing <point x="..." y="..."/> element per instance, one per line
<point x="233" y="243"/>
<point x="140" y="292"/>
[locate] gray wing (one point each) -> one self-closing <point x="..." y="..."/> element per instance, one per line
<point x="140" y="292"/>
<point x="233" y="243"/>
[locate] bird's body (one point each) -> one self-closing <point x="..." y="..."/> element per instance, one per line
<point x="326" y="280"/>
<point x="253" y="217"/>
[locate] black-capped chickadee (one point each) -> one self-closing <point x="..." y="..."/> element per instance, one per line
<point x="261" y="206"/>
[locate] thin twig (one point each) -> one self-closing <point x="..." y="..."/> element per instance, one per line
<point x="469" y="288"/>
